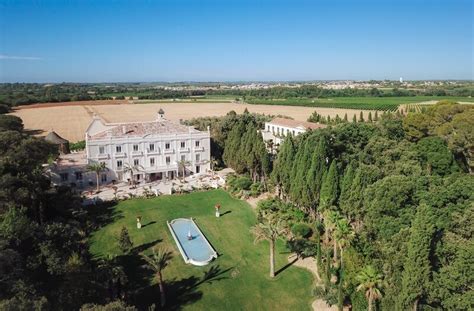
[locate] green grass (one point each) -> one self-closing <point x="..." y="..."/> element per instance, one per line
<point x="239" y="278"/>
<point x="364" y="103"/>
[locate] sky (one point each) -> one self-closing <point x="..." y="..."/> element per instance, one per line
<point x="247" y="40"/>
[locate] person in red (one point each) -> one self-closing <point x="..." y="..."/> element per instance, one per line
<point x="217" y="207"/>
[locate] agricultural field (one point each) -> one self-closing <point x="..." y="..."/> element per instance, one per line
<point x="72" y="118"/>
<point x="362" y="103"/>
<point x="237" y="280"/>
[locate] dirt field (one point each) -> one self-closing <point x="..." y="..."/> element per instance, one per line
<point x="71" y="120"/>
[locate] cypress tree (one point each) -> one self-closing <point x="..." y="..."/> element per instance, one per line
<point x="329" y="188"/>
<point x="376" y="117"/>
<point x="354" y="119"/>
<point x="315" y="173"/>
<point x="345" y="117"/>
<point x="346" y="184"/>
<point x="361" y="117"/>
<point x="370" y="116"/>
<point x="417" y="267"/>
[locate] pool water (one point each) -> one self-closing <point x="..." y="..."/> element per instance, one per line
<point x="197" y="250"/>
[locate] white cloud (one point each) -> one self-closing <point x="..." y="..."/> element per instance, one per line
<point x="3" y="56"/>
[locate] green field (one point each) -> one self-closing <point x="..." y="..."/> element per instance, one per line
<point x="364" y="103"/>
<point x="236" y="280"/>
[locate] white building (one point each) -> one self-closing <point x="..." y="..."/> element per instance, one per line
<point x="154" y="151"/>
<point x="278" y="128"/>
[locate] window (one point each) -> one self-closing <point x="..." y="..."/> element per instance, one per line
<point x="103" y="178"/>
<point x="135" y="147"/>
<point x="198" y="157"/>
<point x="101" y="149"/>
<point x="119" y="164"/>
<point x="152" y="161"/>
<point x="183" y="157"/>
<point x="118" y="149"/>
<point x="197" y="142"/>
<point x="183" y="144"/>
<point x="78" y="175"/>
<point x="136" y="162"/>
<point x="167" y="146"/>
<point x="168" y="160"/>
<point x="198" y="169"/>
<point x="64" y="176"/>
<point x="151" y="147"/>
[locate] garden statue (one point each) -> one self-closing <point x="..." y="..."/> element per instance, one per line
<point x="190" y="236"/>
<point x="139" y="224"/>
<point x="217" y="207"/>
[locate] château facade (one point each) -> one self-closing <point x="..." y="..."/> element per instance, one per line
<point x="141" y="151"/>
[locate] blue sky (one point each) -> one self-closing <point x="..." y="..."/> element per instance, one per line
<point x="118" y="41"/>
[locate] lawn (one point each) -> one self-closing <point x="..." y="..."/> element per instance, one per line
<point x="237" y="280"/>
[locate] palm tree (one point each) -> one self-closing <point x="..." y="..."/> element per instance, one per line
<point x="182" y="165"/>
<point x="343" y="234"/>
<point x="269" y="229"/>
<point x="371" y="282"/>
<point x="97" y="168"/>
<point x="157" y="262"/>
<point x="127" y="168"/>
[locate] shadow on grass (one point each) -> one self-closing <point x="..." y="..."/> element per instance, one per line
<point x="102" y="214"/>
<point x="179" y="293"/>
<point x="225" y="213"/>
<point x="149" y="224"/>
<point x="286" y="266"/>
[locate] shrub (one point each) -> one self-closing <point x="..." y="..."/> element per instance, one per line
<point x="256" y="189"/>
<point x="301" y="230"/>
<point x="80" y="145"/>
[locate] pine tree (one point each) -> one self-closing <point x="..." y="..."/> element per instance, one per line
<point x="125" y="243"/>
<point x="329" y="188"/>
<point x="361" y="117"/>
<point x="417" y="267"/>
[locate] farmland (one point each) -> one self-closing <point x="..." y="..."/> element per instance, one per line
<point x="71" y="119"/>
<point x="362" y="103"/>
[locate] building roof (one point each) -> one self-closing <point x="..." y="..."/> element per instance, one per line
<point x="54" y="138"/>
<point x="296" y="123"/>
<point x="77" y="159"/>
<point x="141" y="129"/>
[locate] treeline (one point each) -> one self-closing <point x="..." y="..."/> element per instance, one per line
<point x="45" y="262"/>
<point x="229" y="131"/>
<point x="311" y="91"/>
<point x="14" y="94"/>
<point x="391" y="207"/>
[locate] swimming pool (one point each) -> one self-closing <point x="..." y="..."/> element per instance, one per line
<point x="196" y="250"/>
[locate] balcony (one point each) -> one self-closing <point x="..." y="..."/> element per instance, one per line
<point x="120" y="155"/>
<point x="151" y="152"/>
<point x="198" y="149"/>
<point x="102" y="156"/>
<point x="184" y="150"/>
<point x="137" y="153"/>
<point x="169" y="151"/>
